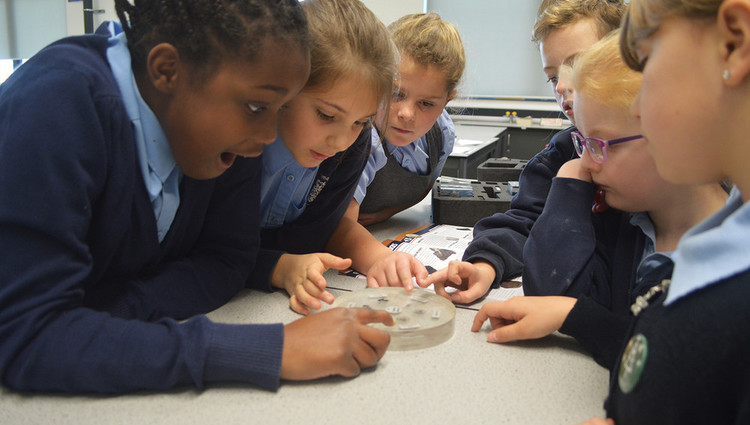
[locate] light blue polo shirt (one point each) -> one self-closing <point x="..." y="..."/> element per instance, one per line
<point x="715" y="249"/>
<point x="284" y="187"/>
<point x="413" y="157"/>
<point x="158" y="167"/>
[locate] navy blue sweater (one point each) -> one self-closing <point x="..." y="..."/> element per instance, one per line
<point x="88" y="295"/>
<point x="696" y="369"/>
<point x="572" y="251"/>
<point x="500" y="238"/>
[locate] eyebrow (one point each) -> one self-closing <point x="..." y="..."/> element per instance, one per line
<point x="277" y="89"/>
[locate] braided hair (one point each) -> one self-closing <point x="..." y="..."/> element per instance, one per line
<point x="206" y="31"/>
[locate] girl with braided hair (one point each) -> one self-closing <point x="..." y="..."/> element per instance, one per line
<point x="129" y="168"/>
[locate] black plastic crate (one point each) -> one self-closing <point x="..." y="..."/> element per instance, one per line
<point x="500" y="169"/>
<point x="465" y="204"/>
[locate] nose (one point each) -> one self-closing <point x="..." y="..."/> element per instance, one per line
<point x="564" y="83"/>
<point x="588" y="164"/>
<point x="340" y="141"/>
<point x="406" y="111"/>
<point x="265" y="131"/>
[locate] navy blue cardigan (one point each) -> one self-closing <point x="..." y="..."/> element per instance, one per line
<point x="500" y="238"/>
<point x="88" y="295"/>
<point x="696" y="369"/>
<point x="572" y="251"/>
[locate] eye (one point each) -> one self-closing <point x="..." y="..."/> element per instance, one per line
<point x="255" y="109"/>
<point x="553" y="80"/>
<point x="324" y="117"/>
<point x="363" y="123"/>
<point x="399" y="96"/>
<point x="427" y="104"/>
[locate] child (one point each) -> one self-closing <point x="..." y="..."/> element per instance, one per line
<point x="562" y="30"/>
<point x="418" y="135"/>
<point x="612" y="257"/>
<point x="685" y="360"/>
<point x="120" y="214"/>
<point x="432" y="62"/>
<point x="310" y="171"/>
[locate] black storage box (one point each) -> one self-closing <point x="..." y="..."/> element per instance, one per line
<point x="466" y="203"/>
<point x="500" y="170"/>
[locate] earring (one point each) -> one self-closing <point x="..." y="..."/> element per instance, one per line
<point x="725" y="75"/>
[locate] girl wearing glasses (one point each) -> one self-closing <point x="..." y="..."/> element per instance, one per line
<point x="617" y="255"/>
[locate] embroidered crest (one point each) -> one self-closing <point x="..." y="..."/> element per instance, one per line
<point x="317" y="187"/>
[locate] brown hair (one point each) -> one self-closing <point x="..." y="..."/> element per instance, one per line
<point x="644" y="17"/>
<point x="601" y="73"/>
<point x="428" y="40"/>
<point x="348" y="39"/>
<point x="556" y="14"/>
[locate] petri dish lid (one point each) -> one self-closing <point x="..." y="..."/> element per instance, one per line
<point x="423" y="318"/>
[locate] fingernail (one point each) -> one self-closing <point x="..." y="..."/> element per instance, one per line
<point x="491" y="338"/>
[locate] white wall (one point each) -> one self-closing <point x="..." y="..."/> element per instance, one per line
<point x="501" y="59"/>
<point x="390" y="10"/>
<point x="28" y="25"/>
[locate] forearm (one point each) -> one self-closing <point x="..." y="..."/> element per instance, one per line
<point x="352" y="240"/>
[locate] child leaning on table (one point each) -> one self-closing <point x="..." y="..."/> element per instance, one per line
<point x="616" y="255"/>
<point x="683" y="358"/>
<point x="128" y="205"/>
<point x="409" y="146"/>
<point x="563" y="28"/>
<point x="311" y="171"/>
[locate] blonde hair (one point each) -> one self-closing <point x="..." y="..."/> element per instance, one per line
<point x="348" y="39"/>
<point x="556" y="14"/>
<point x="644" y="17"/>
<point x="601" y="73"/>
<point x="428" y="40"/>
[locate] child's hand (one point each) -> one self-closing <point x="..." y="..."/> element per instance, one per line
<point x="396" y="269"/>
<point x="573" y="170"/>
<point x="302" y="277"/>
<point x="472" y="279"/>
<point x="523" y="317"/>
<point x="334" y="342"/>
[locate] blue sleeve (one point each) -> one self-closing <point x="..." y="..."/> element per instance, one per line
<point x="448" y="131"/>
<point x="500" y="238"/>
<point x="222" y="246"/>
<point x="375" y="162"/>
<point x="56" y="134"/>
<point x="560" y="254"/>
<point x="601" y="332"/>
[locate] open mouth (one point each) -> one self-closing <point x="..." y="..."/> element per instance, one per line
<point x="568" y="108"/>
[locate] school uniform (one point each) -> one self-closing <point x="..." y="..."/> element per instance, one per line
<point x="683" y="358"/>
<point x="301" y="207"/>
<point x="402" y="175"/>
<point x="607" y="256"/>
<point x="500" y="238"/>
<point x="90" y="293"/>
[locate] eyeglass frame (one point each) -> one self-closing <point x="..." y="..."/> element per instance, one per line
<point x="580" y="142"/>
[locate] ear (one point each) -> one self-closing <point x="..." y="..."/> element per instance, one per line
<point x="162" y="67"/>
<point x="733" y="23"/>
<point x="451" y="96"/>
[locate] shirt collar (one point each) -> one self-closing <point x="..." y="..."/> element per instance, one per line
<point x="714" y="250"/>
<point x="276" y="157"/>
<point x="148" y="131"/>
